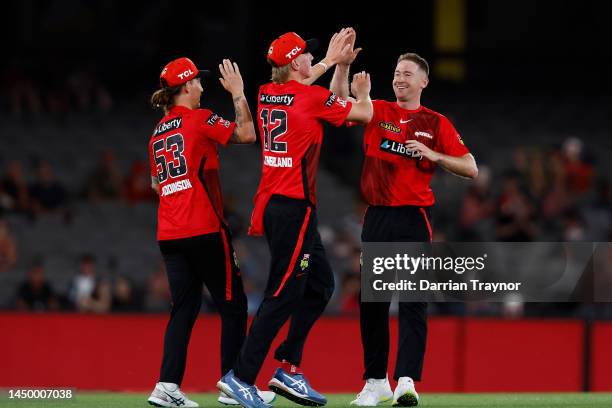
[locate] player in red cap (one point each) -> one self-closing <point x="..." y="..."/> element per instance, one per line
<point x="193" y="236"/>
<point x="403" y="143"/>
<point x="300" y="283"/>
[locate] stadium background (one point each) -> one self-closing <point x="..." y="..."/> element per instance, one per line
<point x="526" y="83"/>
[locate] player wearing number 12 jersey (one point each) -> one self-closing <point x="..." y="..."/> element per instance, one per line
<point x="193" y="236"/>
<point x="290" y="115"/>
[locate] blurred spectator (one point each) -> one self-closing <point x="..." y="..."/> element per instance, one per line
<point x="14" y="189"/>
<point x="47" y="194"/>
<point x="84" y="282"/>
<point x="515" y="212"/>
<point x="353" y="221"/>
<point x="477" y="207"/>
<point x="21" y="92"/>
<point x="87" y="292"/>
<point x="578" y="173"/>
<point x="89" y="93"/>
<point x="351" y="284"/>
<point x="36" y="293"/>
<point x="573" y="226"/>
<point x="99" y="301"/>
<point x="557" y="200"/>
<point x="56" y="95"/>
<point x="138" y="184"/>
<point x="105" y="181"/>
<point x="158" y="291"/>
<point x="530" y="166"/>
<point x="351" y="289"/>
<point x="8" y="247"/>
<point x="125" y="297"/>
<point x="598" y="214"/>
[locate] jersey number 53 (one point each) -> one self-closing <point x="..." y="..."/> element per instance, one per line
<point x="178" y="165"/>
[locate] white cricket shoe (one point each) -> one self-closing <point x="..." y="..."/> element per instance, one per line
<point x="169" y="395"/>
<point x="405" y="394"/>
<point x="266" y="396"/>
<point x="373" y="393"/>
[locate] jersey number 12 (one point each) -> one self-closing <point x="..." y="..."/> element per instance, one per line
<point x="278" y="119"/>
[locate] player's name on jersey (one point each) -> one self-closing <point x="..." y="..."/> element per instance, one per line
<point x="286" y="100"/>
<point x="176" y="186"/>
<point x="273" y="161"/>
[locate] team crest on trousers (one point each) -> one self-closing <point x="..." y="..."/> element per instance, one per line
<point x="305" y="261"/>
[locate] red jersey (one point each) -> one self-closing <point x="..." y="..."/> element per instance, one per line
<point x="290" y="118"/>
<point x="392" y="176"/>
<point x="184" y="159"/>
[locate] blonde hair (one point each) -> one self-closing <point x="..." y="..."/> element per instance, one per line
<point x="281" y="74"/>
<point x="417" y="59"/>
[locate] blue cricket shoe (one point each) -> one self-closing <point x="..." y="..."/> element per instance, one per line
<point x="295" y="387"/>
<point x="246" y="395"/>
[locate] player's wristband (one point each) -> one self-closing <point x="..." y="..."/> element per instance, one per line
<point x="324" y="65"/>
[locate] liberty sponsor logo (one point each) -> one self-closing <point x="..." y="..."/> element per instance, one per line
<point x="424" y="134"/>
<point x="175" y="187"/>
<point x="167" y="126"/>
<point x="397" y="148"/>
<point x="286" y="100"/>
<point x="273" y="161"/>
<point x="390" y="127"/>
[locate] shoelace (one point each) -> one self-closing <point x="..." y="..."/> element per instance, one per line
<point x="369" y="386"/>
<point x="406" y="381"/>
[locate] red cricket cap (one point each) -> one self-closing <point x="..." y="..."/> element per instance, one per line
<point x="288" y="47"/>
<point x="178" y="72"/>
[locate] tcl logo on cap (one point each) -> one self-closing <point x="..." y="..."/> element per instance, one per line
<point x="288" y="47"/>
<point x="178" y="72"/>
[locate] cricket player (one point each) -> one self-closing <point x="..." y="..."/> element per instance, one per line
<point x="396" y="185"/>
<point x="290" y="116"/>
<point x="193" y="236"/>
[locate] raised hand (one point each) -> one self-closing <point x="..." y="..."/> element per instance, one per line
<point x="231" y="79"/>
<point x="349" y="53"/>
<point x="361" y="85"/>
<point x="339" y="46"/>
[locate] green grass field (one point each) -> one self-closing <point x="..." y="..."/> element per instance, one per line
<point x="125" y="400"/>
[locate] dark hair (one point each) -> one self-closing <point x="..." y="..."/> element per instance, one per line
<point x="164" y="98"/>
<point x="87" y="258"/>
<point x="417" y="59"/>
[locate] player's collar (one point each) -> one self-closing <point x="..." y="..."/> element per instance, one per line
<point x="420" y="108"/>
<point x="179" y="109"/>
